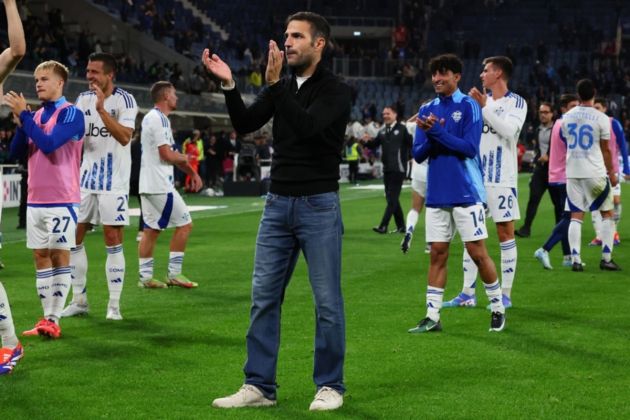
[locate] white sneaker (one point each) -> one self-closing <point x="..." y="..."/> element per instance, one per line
<point x="113" y="314"/>
<point x="247" y="396"/>
<point x="75" y="309"/>
<point x="543" y="256"/>
<point x="326" y="399"/>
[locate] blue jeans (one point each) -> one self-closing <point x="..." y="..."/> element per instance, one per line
<point x="313" y="225"/>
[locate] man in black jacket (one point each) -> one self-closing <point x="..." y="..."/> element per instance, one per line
<point x="310" y="110"/>
<point x="396" y="144"/>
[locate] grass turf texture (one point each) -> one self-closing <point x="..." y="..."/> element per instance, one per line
<point x="564" y="352"/>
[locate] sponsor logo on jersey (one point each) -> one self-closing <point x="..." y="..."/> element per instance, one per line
<point x="487" y="129"/>
<point x="95" y="131"/>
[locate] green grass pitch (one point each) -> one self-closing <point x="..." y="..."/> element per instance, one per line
<point x="565" y="352"/>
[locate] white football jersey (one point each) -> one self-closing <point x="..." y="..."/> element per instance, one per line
<point x="106" y="165"/>
<point x="156" y="176"/>
<point x="503" y="120"/>
<point x="582" y="129"/>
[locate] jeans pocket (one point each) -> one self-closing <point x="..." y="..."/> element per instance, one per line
<point x="322" y="202"/>
<point x="270" y="199"/>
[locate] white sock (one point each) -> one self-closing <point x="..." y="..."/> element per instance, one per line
<point x="493" y="291"/>
<point x="175" y="262"/>
<point x="7" y="329"/>
<point x="60" y="289"/>
<point x="146" y="268"/>
<point x="412" y="219"/>
<point x="115" y="273"/>
<point x="608" y="234"/>
<point x="508" y="266"/>
<point x="596" y="218"/>
<point x="44" y="289"/>
<point x="470" y="274"/>
<point x="575" y="238"/>
<point x="79" y="266"/>
<point x="617" y="215"/>
<point x="434" y="302"/>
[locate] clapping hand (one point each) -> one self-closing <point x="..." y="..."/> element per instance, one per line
<point x="275" y="59"/>
<point x="216" y="66"/>
<point x="480" y="97"/>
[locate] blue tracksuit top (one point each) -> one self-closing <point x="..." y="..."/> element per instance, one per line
<point x="454" y="178"/>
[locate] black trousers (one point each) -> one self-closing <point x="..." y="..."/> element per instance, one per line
<point x="558" y="194"/>
<point x="538" y="184"/>
<point x="393" y="184"/>
<point x="353" y="171"/>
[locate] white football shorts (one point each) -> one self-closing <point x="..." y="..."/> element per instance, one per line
<point x="104" y="209"/>
<point x="502" y="204"/>
<point x="51" y="227"/>
<point x="161" y="211"/>
<point x="589" y="194"/>
<point x="442" y="223"/>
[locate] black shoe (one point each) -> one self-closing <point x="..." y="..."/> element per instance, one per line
<point x="406" y="242"/>
<point x="497" y="321"/>
<point x="426" y="325"/>
<point x="380" y="229"/>
<point x="21" y="227"/>
<point x="399" y="230"/>
<point x="522" y="233"/>
<point x="609" y="266"/>
<point x="579" y="267"/>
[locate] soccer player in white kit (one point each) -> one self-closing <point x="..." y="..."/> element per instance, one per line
<point x="590" y="173"/>
<point x="418" y="193"/>
<point x="504" y="114"/>
<point x="110" y="116"/>
<point x="11" y="351"/>
<point x="162" y="206"/>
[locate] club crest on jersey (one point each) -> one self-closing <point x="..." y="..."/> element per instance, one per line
<point x="396" y="132"/>
<point x="456" y="116"/>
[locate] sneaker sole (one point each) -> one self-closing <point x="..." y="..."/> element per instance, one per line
<point x="143" y="286"/>
<point x="79" y="313"/>
<point x="268" y="403"/>
<point x="191" y="285"/>
<point x="498" y="329"/>
<point x="463" y="305"/>
<point x="436" y="328"/>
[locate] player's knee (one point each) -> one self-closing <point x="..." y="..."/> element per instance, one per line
<point x="185" y="229"/>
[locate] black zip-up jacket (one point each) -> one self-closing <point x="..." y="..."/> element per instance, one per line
<point x="308" y="130"/>
<point x="396" y="146"/>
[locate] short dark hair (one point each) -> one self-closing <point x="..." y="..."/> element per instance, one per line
<point x="566" y="98"/>
<point x="502" y="62"/>
<point x="158" y="89"/>
<point x="320" y="28"/>
<point x="108" y="60"/>
<point x="602" y="101"/>
<point x="392" y="107"/>
<point x="547" y="104"/>
<point x="585" y="89"/>
<point x="445" y="62"/>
